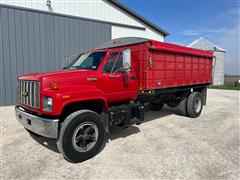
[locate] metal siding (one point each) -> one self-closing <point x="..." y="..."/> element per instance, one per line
<point x="72" y="38"/>
<point x="77" y="35"/>
<point x="12" y="46"/>
<point x="90" y="30"/>
<point x="25" y="46"/>
<point x="85" y="30"/>
<point x="66" y="35"/>
<point x="6" y="56"/>
<point x="61" y="38"/>
<point x="2" y="84"/>
<point x="48" y="41"/>
<point x="37" y="44"/>
<point x="20" y="64"/>
<point x="33" y="41"/>
<point x="56" y="39"/>
<point x="43" y="43"/>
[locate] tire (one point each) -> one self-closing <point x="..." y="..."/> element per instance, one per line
<point x="194" y="104"/>
<point x="182" y="107"/>
<point x="157" y="106"/>
<point x="78" y="122"/>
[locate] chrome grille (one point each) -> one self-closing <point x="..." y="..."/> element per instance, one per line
<point x="29" y="93"/>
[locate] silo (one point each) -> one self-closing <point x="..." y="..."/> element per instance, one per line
<point x="219" y="53"/>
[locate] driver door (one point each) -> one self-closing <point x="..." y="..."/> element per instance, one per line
<point x="116" y="84"/>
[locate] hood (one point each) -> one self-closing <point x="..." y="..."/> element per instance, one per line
<point x="64" y="78"/>
<point x="60" y="73"/>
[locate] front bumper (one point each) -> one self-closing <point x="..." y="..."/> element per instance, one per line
<point x="43" y="126"/>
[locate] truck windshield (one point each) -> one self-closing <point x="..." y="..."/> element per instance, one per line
<point x="89" y="61"/>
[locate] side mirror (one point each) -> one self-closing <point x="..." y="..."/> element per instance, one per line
<point x="126" y="60"/>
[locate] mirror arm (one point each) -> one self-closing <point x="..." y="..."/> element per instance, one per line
<point x="117" y="70"/>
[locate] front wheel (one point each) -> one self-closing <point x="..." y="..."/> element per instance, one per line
<point x="82" y="135"/>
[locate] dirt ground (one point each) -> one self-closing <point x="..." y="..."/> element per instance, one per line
<point x="165" y="146"/>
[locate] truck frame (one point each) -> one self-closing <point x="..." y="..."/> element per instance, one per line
<point x="110" y="86"/>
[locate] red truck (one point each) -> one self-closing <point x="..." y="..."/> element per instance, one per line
<point x="110" y="86"/>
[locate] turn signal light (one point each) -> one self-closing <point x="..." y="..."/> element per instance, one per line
<point x="66" y="97"/>
<point x="53" y="86"/>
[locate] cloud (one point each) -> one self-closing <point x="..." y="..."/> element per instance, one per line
<point x="202" y="32"/>
<point x="191" y="33"/>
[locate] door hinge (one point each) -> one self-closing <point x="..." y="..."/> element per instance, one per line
<point x="150" y="63"/>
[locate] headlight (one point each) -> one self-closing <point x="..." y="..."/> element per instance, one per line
<point x="47" y="104"/>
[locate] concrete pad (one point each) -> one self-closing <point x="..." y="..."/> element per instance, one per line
<point x="165" y="146"/>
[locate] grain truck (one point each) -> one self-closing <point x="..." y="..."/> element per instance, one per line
<point x="110" y="86"/>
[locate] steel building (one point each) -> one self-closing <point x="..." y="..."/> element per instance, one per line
<point x="219" y="53"/>
<point x="38" y="35"/>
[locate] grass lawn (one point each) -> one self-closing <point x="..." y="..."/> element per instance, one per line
<point x="226" y="87"/>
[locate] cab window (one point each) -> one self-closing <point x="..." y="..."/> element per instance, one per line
<point x="114" y="63"/>
<point x="88" y="61"/>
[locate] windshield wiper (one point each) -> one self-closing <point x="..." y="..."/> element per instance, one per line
<point x="75" y="67"/>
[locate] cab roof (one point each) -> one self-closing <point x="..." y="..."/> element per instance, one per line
<point x="121" y="42"/>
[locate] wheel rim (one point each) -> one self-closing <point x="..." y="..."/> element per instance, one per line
<point x="85" y="136"/>
<point x="198" y="105"/>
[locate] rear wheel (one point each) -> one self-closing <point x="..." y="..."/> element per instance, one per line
<point x="194" y="104"/>
<point x="82" y="136"/>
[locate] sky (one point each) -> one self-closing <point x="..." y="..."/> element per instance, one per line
<point x="186" y="20"/>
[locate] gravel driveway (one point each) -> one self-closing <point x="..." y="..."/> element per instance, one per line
<point x="165" y="146"/>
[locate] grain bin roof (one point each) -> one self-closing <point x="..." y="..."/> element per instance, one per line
<point x="204" y="44"/>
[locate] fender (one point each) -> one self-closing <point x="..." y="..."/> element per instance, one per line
<point x="85" y="94"/>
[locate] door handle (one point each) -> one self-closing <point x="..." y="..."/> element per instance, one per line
<point x="114" y="76"/>
<point x="92" y="79"/>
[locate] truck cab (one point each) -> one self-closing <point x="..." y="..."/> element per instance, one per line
<point x="94" y="75"/>
<point x="93" y="80"/>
